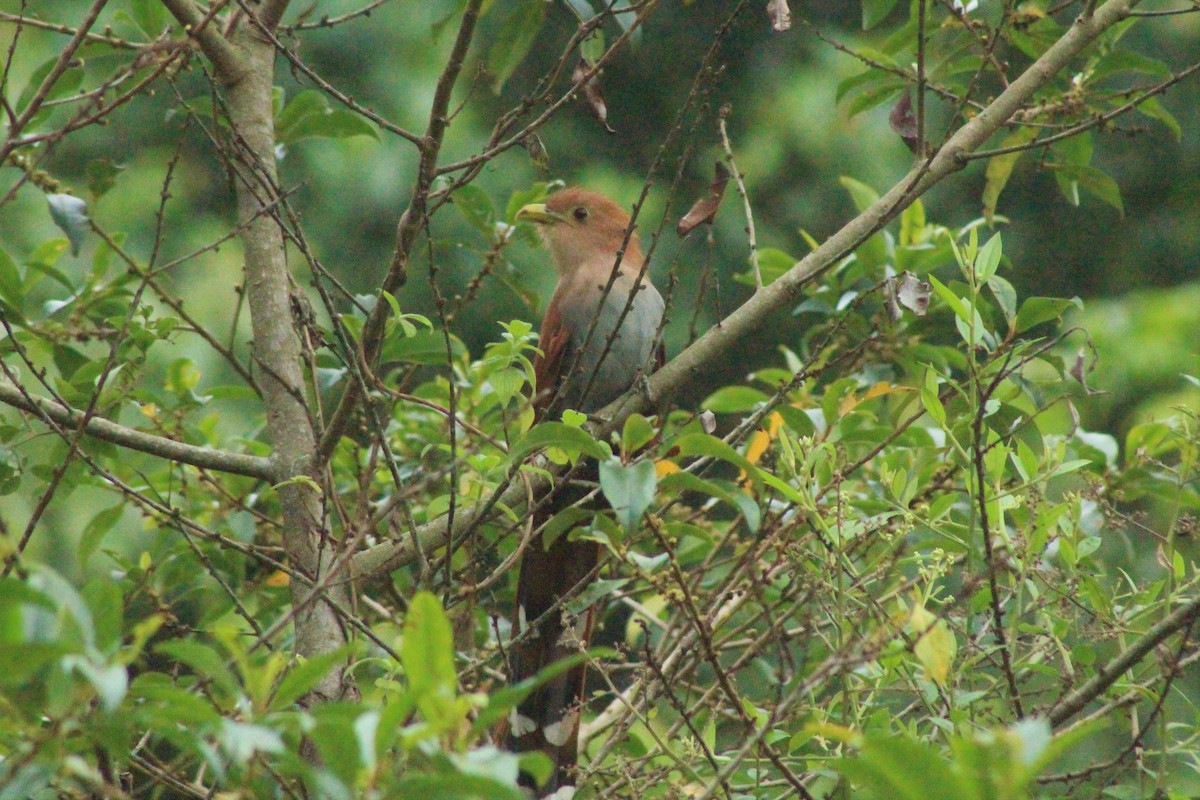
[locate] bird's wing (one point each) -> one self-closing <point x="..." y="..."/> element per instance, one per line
<point x="554" y="342"/>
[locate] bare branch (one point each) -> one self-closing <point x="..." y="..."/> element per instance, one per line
<point x="100" y="428"/>
<point x="1108" y="674"/>
<point x="410" y="220"/>
<point x="692" y="364"/>
<point x="230" y="65"/>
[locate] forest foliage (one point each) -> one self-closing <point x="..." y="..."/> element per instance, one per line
<point x="884" y="526"/>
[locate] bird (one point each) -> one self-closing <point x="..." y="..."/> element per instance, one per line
<point x="600" y="334"/>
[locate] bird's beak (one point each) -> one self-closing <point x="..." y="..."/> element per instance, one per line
<point x="538" y="213"/>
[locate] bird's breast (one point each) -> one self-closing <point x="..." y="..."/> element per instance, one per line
<point x="613" y="339"/>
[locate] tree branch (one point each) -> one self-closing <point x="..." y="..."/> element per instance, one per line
<point x="693" y="362"/>
<point x="103" y="429"/>
<point x="311" y="550"/>
<point x="229" y="63"/>
<point x="1107" y="675"/>
<point x="409" y="225"/>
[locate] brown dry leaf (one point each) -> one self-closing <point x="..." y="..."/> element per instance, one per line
<point x="780" y="14"/>
<point x="537" y="151"/>
<point x="913" y="293"/>
<point x="705" y="209"/>
<point x="592" y="93"/>
<point x="1080" y="370"/>
<point x="909" y="291"/>
<point x="904" y="122"/>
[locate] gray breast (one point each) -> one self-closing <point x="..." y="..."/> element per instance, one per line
<point x="607" y="363"/>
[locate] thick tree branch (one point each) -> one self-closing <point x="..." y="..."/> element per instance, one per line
<point x="692" y="363"/>
<point x="103" y="429"/>
<point x="311" y="550"/>
<point x="231" y="66"/>
<point x="1108" y="674"/>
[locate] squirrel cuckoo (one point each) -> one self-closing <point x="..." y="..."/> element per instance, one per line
<point x="595" y="341"/>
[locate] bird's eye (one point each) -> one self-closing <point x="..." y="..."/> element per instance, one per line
<point x="581" y="213"/>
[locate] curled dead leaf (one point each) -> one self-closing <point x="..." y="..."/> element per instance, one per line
<point x="904" y="122"/>
<point x="537" y="151"/>
<point x="592" y="94"/>
<point x="780" y="14"/>
<point x="1079" y="371"/>
<point x="705" y="209"/>
<point x="909" y="291"/>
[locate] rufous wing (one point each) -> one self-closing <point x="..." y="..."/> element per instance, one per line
<point x="554" y="343"/>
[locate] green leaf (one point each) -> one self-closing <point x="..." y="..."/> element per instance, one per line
<point x="912" y="224"/>
<point x="562" y="436"/>
<point x="97" y="527"/>
<point x="873" y="251"/>
<point x="107" y="605"/>
<point x="203" y="660"/>
<point x="337" y="123"/>
<point x="629" y="489"/>
<point x="70" y="215"/>
<point x="1037" y="310"/>
<point x="476" y="206"/>
<point x="1095" y="181"/>
<point x="67" y="84"/>
<point x="150" y="16"/>
<point x="308" y="115"/>
<point x="856" y="82"/>
<point x="863" y="196"/>
<point x="455" y="786"/>
<point x="423" y="347"/>
<point x="593" y="46"/>
<point x="10" y="280"/>
<point x="772" y="263"/>
<point x="102" y="175"/>
<point x="305" y="676"/>
<point x="308" y="103"/>
<point x="110" y="681"/>
<point x="874" y="97"/>
<point x="954" y="301"/>
<point x="1116" y="62"/>
<point x="166" y="703"/>
<point x="427" y="654"/>
<point x="701" y="444"/>
<point x="733" y="400"/>
<point x="678" y="482"/>
<point x="503" y="700"/>
<point x="241" y="740"/>
<point x="897" y="767"/>
<point x="1006" y="296"/>
<point x="875" y="12"/>
<point x="1152" y="108"/>
<point x="988" y="259"/>
<point x="930" y="399"/>
<point x="999" y="170"/>
<point x="513" y="41"/>
<point x="523" y="197"/>
<point x="637" y="433"/>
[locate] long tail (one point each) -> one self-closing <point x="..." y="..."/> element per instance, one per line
<point x="548" y="719"/>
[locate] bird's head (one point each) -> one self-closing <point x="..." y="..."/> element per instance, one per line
<point x="582" y="228"/>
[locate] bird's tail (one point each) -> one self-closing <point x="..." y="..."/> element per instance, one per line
<point x="548" y="718"/>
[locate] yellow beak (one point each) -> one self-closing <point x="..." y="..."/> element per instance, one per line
<point x="539" y="214"/>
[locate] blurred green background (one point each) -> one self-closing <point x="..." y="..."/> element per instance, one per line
<point x="1137" y="272"/>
